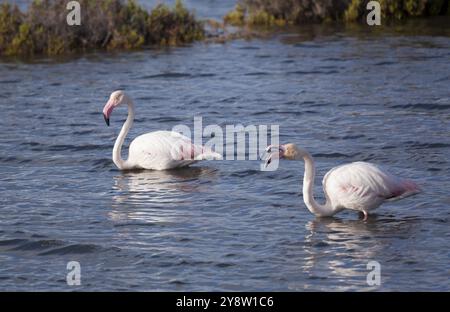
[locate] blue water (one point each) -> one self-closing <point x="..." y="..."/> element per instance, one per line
<point x="345" y="95"/>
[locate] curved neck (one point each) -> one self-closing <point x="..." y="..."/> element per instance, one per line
<point x="117" y="150"/>
<point x="308" y="186"/>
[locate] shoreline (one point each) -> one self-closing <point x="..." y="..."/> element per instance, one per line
<point x="36" y="34"/>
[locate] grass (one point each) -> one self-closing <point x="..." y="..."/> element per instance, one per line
<point x="105" y="25"/>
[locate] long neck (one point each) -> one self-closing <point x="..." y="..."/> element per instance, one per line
<point x="117" y="150"/>
<point x="308" y="186"/>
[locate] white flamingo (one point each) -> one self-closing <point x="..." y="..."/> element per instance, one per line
<point x="358" y="186"/>
<point x="157" y="150"/>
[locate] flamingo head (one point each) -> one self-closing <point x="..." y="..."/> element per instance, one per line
<point x="292" y="152"/>
<point x="115" y="99"/>
<point x="288" y="151"/>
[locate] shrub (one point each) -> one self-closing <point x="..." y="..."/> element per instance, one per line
<point x="105" y="24"/>
<point x="281" y="12"/>
<point x="10" y="20"/>
<point x="235" y="17"/>
<point x="172" y="27"/>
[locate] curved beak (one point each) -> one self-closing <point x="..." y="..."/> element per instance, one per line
<point x="271" y="152"/>
<point x="106" y="120"/>
<point x="107" y="110"/>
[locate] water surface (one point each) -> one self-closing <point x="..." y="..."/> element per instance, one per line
<point x="221" y="226"/>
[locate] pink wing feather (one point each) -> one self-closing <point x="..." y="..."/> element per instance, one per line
<point x="364" y="186"/>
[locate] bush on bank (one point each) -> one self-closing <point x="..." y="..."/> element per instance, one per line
<point x="105" y="25"/>
<point x="295" y="12"/>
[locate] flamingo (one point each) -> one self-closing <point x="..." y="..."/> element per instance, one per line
<point x="359" y="186"/>
<point x="158" y="150"/>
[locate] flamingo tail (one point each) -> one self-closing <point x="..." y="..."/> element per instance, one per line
<point x="407" y="188"/>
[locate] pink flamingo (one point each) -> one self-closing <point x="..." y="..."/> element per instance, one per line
<point x="357" y="186"/>
<point x="157" y="150"/>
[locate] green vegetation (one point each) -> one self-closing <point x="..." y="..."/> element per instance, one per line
<point x="105" y="25"/>
<point x="285" y="12"/>
<point x="398" y="10"/>
<point x="125" y="25"/>
<point x="235" y="17"/>
<point x="294" y="12"/>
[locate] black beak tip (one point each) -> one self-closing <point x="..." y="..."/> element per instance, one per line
<point x="106" y="120"/>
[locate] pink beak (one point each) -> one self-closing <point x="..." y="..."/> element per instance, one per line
<point x="107" y="110"/>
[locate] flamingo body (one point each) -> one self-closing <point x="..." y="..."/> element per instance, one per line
<point x="162" y="150"/>
<point x="363" y="186"/>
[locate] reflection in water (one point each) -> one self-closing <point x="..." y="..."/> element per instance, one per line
<point x="340" y="249"/>
<point x="143" y="195"/>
